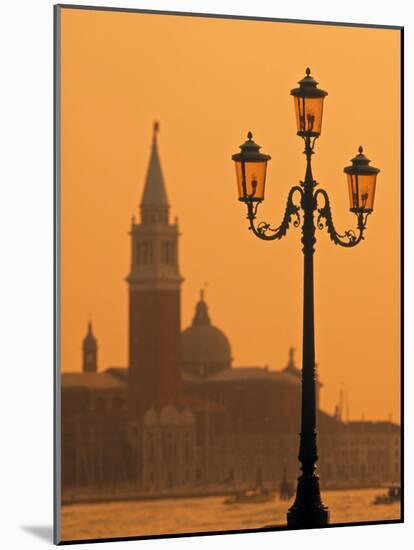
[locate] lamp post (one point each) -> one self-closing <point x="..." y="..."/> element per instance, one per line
<point x="308" y="509"/>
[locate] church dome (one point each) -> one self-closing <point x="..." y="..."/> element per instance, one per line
<point x="205" y="349"/>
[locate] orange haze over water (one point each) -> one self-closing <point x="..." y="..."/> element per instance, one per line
<point x="209" y="81"/>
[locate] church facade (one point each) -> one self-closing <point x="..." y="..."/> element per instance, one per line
<point x="181" y="416"/>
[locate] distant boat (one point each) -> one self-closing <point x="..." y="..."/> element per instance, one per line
<point x="393" y="495"/>
<point x="251" y="496"/>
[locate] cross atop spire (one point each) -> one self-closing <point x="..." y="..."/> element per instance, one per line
<point x="291" y="366"/>
<point x="154" y="203"/>
<point x="156" y="129"/>
<point x="203" y="292"/>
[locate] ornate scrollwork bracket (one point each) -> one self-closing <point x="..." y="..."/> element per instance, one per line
<point x="348" y="238"/>
<point x="264" y="230"/>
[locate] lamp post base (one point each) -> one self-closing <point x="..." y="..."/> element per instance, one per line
<point x="308" y="510"/>
<point x="305" y="518"/>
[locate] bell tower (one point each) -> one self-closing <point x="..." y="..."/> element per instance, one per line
<point x="154" y="298"/>
<point x="89" y="351"/>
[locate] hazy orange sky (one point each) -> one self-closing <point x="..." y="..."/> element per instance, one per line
<point x="209" y="81"/>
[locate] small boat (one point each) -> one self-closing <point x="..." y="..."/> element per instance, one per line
<point x="393" y="495"/>
<point x="251" y="496"/>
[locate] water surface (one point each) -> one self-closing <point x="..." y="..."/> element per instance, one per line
<point x="167" y="516"/>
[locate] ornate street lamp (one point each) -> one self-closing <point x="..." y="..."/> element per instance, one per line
<point x="307" y="510"/>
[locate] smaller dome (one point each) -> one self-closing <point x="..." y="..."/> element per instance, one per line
<point x="169" y="415"/>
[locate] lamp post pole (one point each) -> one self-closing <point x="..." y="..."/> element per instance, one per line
<point x="307" y="510"/>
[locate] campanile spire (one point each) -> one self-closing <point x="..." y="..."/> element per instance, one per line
<point x="154" y="204"/>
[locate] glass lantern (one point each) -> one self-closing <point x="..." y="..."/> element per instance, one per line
<point x="250" y="171"/>
<point x="362" y="180"/>
<point x="308" y="106"/>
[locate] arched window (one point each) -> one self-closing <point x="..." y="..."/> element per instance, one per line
<point x="138" y="253"/>
<point x="167" y="252"/>
<point x="146" y="252"/>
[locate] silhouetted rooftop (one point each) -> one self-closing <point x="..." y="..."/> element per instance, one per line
<point x="121" y="373"/>
<point x="245" y="373"/>
<point x="91" y="380"/>
<point x="372" y="425"/>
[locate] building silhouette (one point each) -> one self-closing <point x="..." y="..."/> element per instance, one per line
<point x="181" y="416"/>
